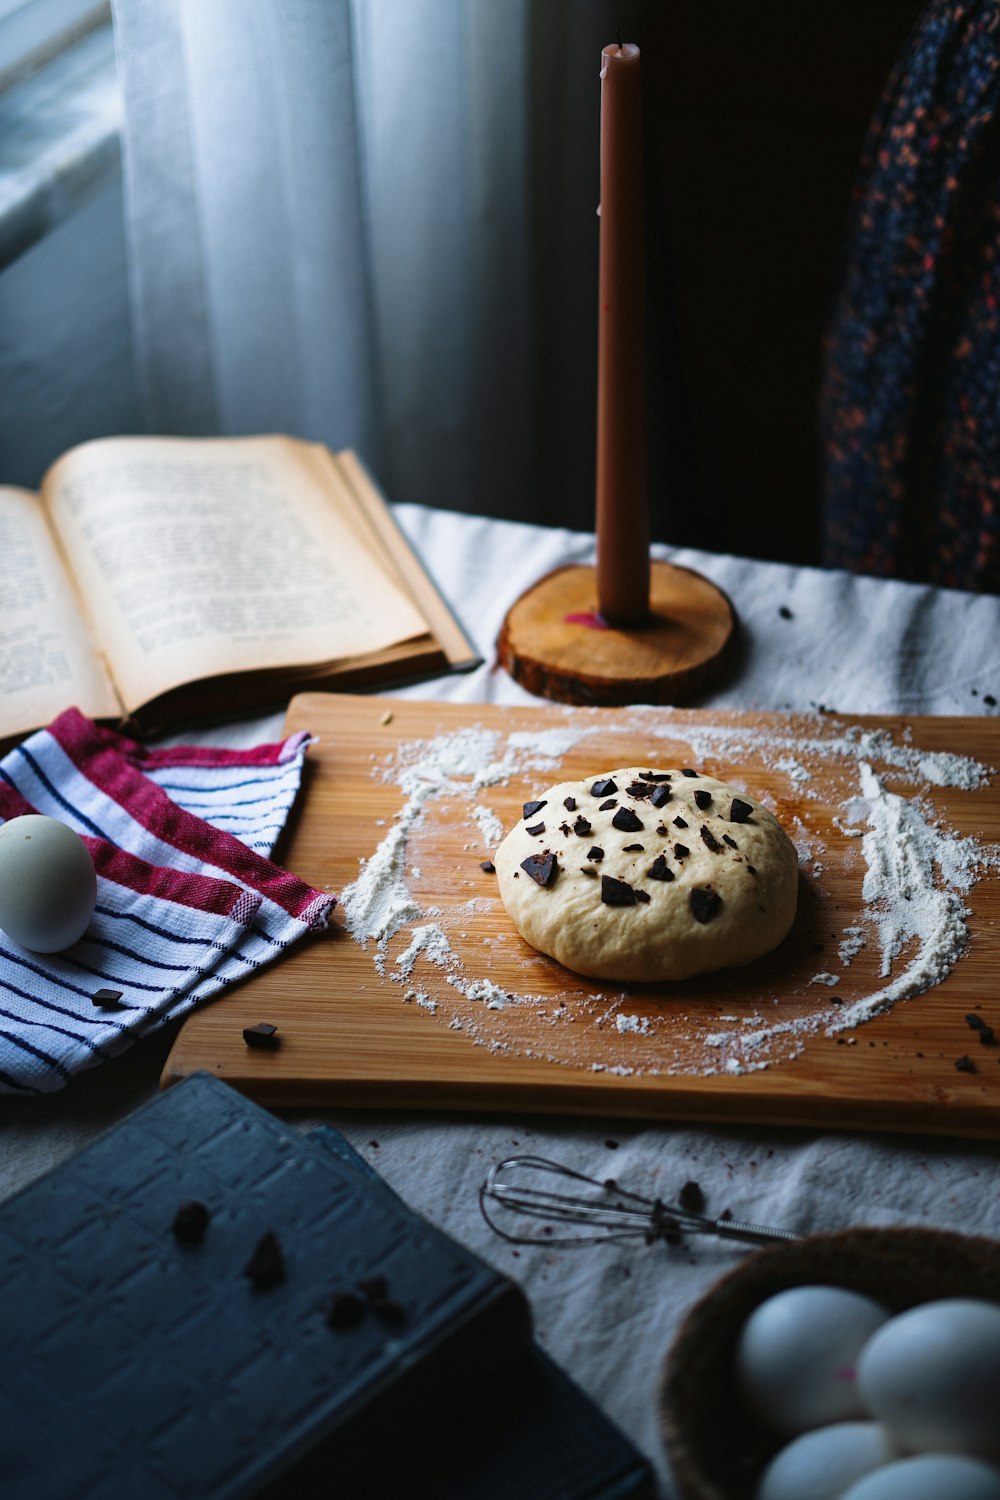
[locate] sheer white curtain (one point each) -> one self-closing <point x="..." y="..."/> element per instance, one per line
<point x="372" y="222"/>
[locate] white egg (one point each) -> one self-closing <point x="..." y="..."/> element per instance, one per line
<point x="820" y="1465"/>
<point x="48" y="887"/>
<point x="930" y="1476"/>
<point x="796" y="1354"/>
<point x="931" y="1375"/>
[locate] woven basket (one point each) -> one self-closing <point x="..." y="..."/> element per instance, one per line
<point x="716" y="1446"/>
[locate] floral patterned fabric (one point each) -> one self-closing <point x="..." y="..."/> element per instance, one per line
<point x="910" y="407"/>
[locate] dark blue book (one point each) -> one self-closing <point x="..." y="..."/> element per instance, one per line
<point x="206" y="1303"/>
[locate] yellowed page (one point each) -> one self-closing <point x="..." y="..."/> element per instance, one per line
<point x="199" y="556"/>
<point x="48" y="661"/>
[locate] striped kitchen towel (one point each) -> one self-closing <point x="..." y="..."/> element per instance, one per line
<point x="188" y="900"/>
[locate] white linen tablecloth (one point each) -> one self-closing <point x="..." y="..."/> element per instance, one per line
<point x="607" y="1313"/>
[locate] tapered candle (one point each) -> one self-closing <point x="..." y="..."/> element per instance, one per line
<point x="623" y="533"/>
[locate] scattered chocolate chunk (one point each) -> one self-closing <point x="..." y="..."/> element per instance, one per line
<point x="626" y="821"/>
<point x="709" y="840"/>
<point x="543" y="868"/>
<point x="190" y="1222"/>
<point x="596" y="853"/>
<point x="640" y="790"/>
<point x="264" y="1035"/>
<point x="659" y="869"/>
<point x="662" y="1225"/>
<point x="106" y="999"/>
<point x="785" y="612"/>
<point x="680" y="822"/>
<point x="964" y="1064"/>
<point x="987" y="1036"/>
<point x="631" y="848"/>
<point x="975" y="1022"/>
<point x="703" y="797"/>
<point x="611" y="802"/>
<point x="565" y="830"/>
<point x="487" y="866"/>
<point x="740" y="811"/>
<point x="536" y="829"/>
<point x="266" y="1266"/>
<point x="604" y="788"/>
<point x="569" y="803"/>
<point x="660" y="796"/>
<point x="388" y="1311"/>
<point x="688" y="772"/>
<point x="705" y="904"/>
<point x="641" y="895"/>
<point x="681" y="851"/>
<point x="344" y="1310"/>
<point x="588" y="870"/>
<point x="655" y="775"/>
<point x="617" y="892"/>
<point x="661" y="830"/>
<point x="530" y="808"/>
<point x="582" y="828"/>
<point x="989" y="700"/>
<point x="691" y="1198"/>
<point x="751" y="869"/>
<point x="728" y="839"/>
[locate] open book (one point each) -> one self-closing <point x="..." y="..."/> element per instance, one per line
<point x="155" y="580"/>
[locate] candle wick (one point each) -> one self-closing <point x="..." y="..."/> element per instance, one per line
<point x="619" y="36"/>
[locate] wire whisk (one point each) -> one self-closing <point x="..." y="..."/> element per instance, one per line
<point x="607" y="1212"/>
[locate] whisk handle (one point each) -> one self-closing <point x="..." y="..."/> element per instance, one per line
<point x="754" y="1234"/>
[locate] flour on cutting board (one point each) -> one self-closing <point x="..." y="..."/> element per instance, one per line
<point x="911" y="903"/>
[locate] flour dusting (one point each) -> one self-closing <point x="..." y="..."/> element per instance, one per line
<point x="911" y="909"/>
<point x="903" y="899"/>
<point x="489" y="825"/>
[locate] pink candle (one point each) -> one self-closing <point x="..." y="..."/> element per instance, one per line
<point x="622" y="499"/>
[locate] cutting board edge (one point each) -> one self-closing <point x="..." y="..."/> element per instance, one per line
<point x="780" y="1109"/>
<point x="893" y="1117"/>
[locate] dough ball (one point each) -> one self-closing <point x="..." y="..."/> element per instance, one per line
<point x="648" y="875"/>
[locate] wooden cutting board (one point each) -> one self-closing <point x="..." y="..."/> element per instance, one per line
<point x="493" y="1025"/>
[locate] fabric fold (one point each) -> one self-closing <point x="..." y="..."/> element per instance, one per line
<point x="188" y="900"/>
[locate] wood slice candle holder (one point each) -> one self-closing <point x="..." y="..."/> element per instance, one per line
<point x="555" y="642"/>
<point x="629" y="630"/>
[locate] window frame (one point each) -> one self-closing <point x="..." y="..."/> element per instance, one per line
<point x="33" y="32"/>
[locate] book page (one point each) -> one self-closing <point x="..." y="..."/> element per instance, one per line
<point x="48" y="661"/>
<point x="201" y="556"/>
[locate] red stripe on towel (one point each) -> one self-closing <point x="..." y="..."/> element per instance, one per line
<point x="12" y="804"/>
<point x="200" y="892"/>
<point x="103" y="764"/>
<point x="276" y="754"/>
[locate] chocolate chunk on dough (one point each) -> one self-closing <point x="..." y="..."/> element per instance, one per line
<point x="616" y="892"/>
<point x="667" y="912"/>
<point x="705" y="904"/>
<point x="542" y="868"/>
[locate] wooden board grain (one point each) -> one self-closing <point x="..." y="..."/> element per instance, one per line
<point x="500" y="1027"/>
